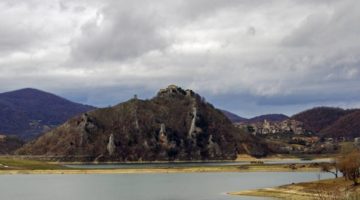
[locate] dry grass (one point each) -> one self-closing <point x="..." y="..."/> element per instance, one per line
<point x="331" y="189"/>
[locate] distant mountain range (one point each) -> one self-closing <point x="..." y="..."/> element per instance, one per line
<point x="174" y="125"/>
<point x="29" y="112"/>
<point x="269" y="117"/>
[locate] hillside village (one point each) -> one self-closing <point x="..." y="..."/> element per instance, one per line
<point x="291" y="137"/>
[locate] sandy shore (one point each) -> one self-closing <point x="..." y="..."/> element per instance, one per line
<point x="324" y="189"/>
<point x="282" y="157"/>
<point x="278" y="193"/>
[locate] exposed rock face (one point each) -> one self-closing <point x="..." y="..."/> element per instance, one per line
<point x="162" y="135"/>
<point x="193" y="122"/>
<point x="111" y="145"/>
<point x="148" y="130"/>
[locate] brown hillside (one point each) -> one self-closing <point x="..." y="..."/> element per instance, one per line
<point x="319" y="118"/>
<point x="346" y="126"/>
<point x="177" y="124"/>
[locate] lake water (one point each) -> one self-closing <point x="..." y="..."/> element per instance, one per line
<point x="177" y="186"/>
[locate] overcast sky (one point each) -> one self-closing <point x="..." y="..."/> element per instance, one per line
<point x="249" y="57"/>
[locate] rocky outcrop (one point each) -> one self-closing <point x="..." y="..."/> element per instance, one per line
<point x="162" y="135"/>
<point x="111" y="145"/>
<point x="176" y="124"/>
<point x="193" y="122"/>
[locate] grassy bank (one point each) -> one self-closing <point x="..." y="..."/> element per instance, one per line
<point x="333" y="189"/>
<point x="11" y="165"/>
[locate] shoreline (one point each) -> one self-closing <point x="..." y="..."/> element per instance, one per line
<point x="202" y="169"/>
<point x="240" y="158"/>
<point x="244" y="163"/>
<point x="324" y="189"/>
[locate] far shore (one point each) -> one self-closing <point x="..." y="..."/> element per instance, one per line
<point x="25" y="165"/>
<point x="240" y="158"/>
<point x="280" y="168"/>
<point x="196" y="169"/>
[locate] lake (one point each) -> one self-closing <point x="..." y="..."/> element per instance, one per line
<point x="162" y="186"/>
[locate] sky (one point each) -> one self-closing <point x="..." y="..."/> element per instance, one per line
<point x="248" y="57"/>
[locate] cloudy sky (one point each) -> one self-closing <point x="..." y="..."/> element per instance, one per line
<point x="249" y="57"/>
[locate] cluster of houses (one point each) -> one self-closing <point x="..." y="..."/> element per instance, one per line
<point x="290" y="136"/>
<point x="267" y="127"/>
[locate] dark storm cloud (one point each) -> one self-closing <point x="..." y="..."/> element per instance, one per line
<point x="246" y="56"/>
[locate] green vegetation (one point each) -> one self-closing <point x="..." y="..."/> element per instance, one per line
<point x="16" y="165"/>
<point x="11" y="163"/>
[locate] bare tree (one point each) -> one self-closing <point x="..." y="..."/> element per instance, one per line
<point x="349" y="165"/>
<point x="330" y="168"/>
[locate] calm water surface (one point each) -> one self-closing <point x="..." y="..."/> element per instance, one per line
<point x="190" y="186"/>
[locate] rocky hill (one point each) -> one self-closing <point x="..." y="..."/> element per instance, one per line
<point x="28" y="112"/>
<point x="176" y="124"/>
<point x="319" y="118"/>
